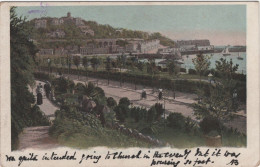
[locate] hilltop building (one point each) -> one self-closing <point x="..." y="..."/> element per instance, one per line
<point x="40" y="23"/>
<point x="195" y="45"/>
<point x="56" y="34"/>
<point x="57" y="21"/>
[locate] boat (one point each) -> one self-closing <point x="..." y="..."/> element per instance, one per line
<point x="239" y="57"/>
<point x="225" y="52"/>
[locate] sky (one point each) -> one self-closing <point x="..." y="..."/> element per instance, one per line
<point x="221" y="24"/>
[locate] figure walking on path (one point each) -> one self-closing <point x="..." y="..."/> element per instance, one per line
<point x="160" y="94"/>
<point x="39" y="92"/>
<point x="143" y="95"/>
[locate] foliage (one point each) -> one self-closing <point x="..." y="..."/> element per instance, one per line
<point x="173" y="68"/>
<point x="22" y="63"/>
<point x="159" y="110"/>
<point x="151" y="115"/>
<point x="219" y="102"/>
<point x="124" y="101"/>
<point x="226" y="69"/>
<point x="209" y="124"/>
<point x="192" y="71"/>
<point x="95" y="62"/>
<point x="201" y="63"/>
<point x="76" y="61"/>
<point x="85" y="62"/>
<point x="121" y="112"/>
<point x="176" y="120"/>
<point x="111" y="103"/>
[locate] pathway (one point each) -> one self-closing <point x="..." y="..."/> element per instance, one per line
<point x="38" y="137"/>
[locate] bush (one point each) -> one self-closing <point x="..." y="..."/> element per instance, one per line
<point x="190" y="126"/>
<point x="209" y="124"/>
<point x="111" y="103"/>
<point x="176" y="121"/>
<point x="159" y="110"/>
<point x="124" y="101"/>
<point x="80" y="88"/>
<point x="121" y="112"/>
<point x="151" y="115"/>
<point x="192" y="72"/>
<point x="182" y="70"/>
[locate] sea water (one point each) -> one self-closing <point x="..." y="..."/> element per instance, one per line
<point x="187" y="59"/>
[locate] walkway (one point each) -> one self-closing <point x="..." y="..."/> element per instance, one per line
<point x="38" y="137"/>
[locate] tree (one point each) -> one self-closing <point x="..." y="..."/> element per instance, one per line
<point x="108" y="68"/>
<point x="173" y="68"/>
<point x="151" y="115"/>
<point x="121" y="59"/>
<point x="159" y="110"/>
<point x="76" y="61"/>
<point x="95" y="63"/>
<point x="111" y="103"/>
<point x="152" y="69"/>
<point x="219" y="101"/>
<point x="176" y="120"/>
<point x="124" y="101"/>
<point x="201" y="63"/>
<point x="22" y="54"/>
<point x="85" y="63"/>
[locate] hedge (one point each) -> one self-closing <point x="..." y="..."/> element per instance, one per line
<point x="181" y="85"/>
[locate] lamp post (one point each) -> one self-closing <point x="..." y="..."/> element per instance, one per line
<point x="164" y="114"/>
<point x="234" y="97"/>
<point x="49" y="64"/>
<point x="210" y="77"/>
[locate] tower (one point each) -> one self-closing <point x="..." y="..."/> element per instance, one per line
<point x="68" y="14"/>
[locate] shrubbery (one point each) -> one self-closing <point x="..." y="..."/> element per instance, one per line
<point x="111" y="103"/>
<point x="176" y="120"/>
<point x="192" y="72"/>
<point x="209" y="124"/>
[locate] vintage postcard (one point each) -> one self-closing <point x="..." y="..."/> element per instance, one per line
<point x="129" y="84"/>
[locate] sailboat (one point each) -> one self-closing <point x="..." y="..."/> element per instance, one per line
<point x="239" y="57"/>
<point x="225" y="52"/>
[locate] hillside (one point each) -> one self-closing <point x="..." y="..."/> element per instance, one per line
<point x="74" y="35"/>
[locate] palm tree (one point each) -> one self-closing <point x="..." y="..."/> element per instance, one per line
<point x="121" y="62"/>
<point x="108" y="68"/>
<point x="140" y="66"/>
<point x="152" y="69"/>
<point x="94" y="63"/>
<point x="76" y="61"/>
<point x="85" y="63"/>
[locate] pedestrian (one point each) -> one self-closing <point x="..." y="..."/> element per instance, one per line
<point x="39" y="98"/>
<point x="143" y="95"/>
<point x="39" y="92"/>
<point x="173" y="95"/>
<point x="160" y="94"/>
